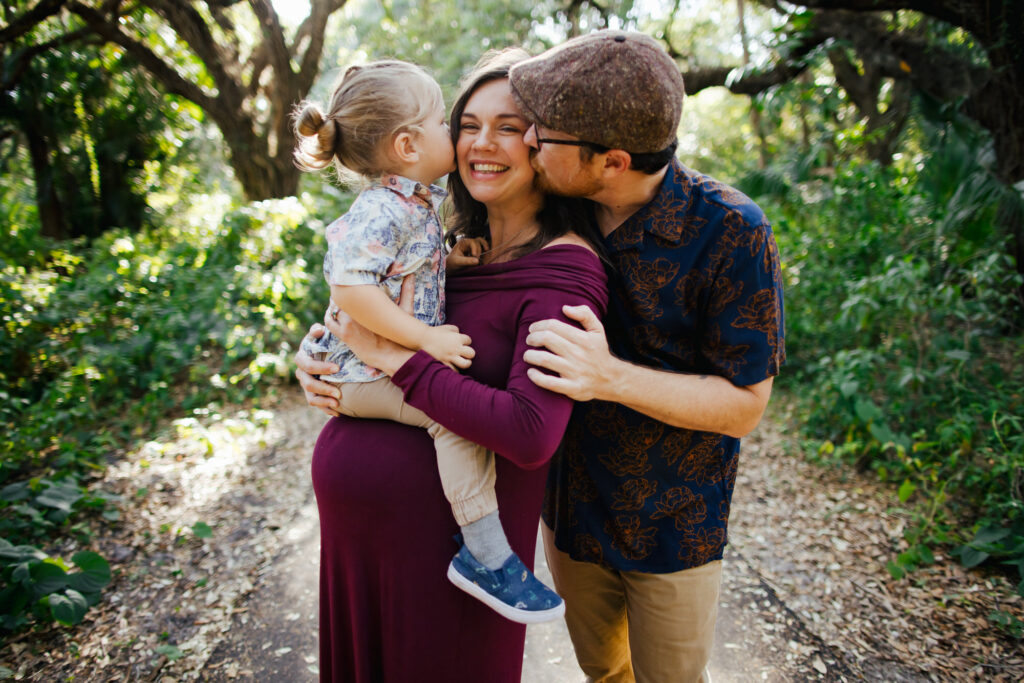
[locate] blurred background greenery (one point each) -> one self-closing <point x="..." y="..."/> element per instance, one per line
<point x="162" y="254"/>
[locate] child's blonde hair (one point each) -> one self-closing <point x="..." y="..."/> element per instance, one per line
<point x="370" y="105"/>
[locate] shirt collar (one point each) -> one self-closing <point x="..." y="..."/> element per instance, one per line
<point x="409" y="188"/>
<point x="661" y="216"/>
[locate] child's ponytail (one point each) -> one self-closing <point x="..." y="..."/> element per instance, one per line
<point x="316" y="137"/>
<point x="370" y="105"/>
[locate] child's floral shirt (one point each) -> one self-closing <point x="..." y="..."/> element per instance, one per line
<point x="391" y="230"/>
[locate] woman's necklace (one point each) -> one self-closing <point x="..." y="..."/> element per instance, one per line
<point x="499" y="253"/>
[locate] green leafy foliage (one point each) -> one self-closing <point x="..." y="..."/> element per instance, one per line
<point x="449" y="37"/>
<point x="103" y="341"/>
<point x="172" y="652"/>
<point x="94" y="131"/>
<point x="903" y="333"/>
<point x="33" y="584"/>
<point x="114" y="328"/>
<point x="202" y="530"/>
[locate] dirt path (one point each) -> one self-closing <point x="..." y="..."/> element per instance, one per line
<point x="806" y="594"/>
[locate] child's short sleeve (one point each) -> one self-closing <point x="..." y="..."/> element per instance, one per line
<point x="362" y="245"/>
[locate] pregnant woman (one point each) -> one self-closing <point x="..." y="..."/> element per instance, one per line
<point x="387" y="611"/>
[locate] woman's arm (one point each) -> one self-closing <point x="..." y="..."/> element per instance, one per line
<point x="521" y="422"/>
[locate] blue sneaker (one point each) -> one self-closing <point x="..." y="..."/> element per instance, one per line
<point x="512" y="591"/>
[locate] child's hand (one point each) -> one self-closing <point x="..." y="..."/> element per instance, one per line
<point x="466" y="252"/>
<point x="448" y="345"/>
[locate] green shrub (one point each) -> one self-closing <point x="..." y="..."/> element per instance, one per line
<point x="902" y="316"/>
<point x="42" y="586"/>
<point x="99" y="342"/>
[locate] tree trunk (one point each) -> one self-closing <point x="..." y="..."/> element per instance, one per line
<point x="262" y="161"/>
<point x="260" y="175"/>
<point x="755" y="113"/>
<point x="267" y="182"/>
<point x="278" y="73"/>
<point x="51" y="211"/>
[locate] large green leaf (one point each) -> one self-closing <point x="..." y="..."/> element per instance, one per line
<point x="47" y="577"/>
<point x="15" y="492"/>
<point x="95" y="572"/>
<point x="13" y="600"/>
<point x="972" y="557"/>
<point x="906" y="490"/>
<point x="990" y="534"/>
<point x="19" y="553"/>
<point x="61" y="496"/>
<point x="68" y="607"/>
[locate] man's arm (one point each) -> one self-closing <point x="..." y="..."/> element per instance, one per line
<point x="587" y="370"/>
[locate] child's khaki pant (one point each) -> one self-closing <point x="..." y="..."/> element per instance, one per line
<point x="467" y="469"/>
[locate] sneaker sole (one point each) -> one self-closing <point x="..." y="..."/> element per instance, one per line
<point x="511" y="613"/>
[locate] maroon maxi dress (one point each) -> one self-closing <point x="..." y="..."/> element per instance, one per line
<point x="387" y="610"/>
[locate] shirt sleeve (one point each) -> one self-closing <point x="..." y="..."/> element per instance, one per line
<point x="363" y="245"/>
<point x="743" y="336"/>
<point x="522" y="422"/>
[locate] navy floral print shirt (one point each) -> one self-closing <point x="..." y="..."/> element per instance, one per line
<point x="695" y="287"/>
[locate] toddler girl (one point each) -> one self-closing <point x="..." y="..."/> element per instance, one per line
<point x="386" y="123"/>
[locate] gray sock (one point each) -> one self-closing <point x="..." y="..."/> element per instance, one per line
<point x="486" y="540"/>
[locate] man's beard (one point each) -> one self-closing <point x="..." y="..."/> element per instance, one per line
<point x="580" y="185"/>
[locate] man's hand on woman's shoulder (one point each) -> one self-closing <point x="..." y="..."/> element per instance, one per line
<point x="580" y="357"/>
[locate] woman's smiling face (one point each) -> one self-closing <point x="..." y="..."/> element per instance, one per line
<point x="493" y="160"/>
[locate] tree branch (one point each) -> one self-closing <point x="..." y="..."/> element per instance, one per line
<point x="859" y="88"/>
<point x="957" y="12"/>
<point x="222" y="20"/>
<point x="20" y="60"/>
<point x="929" y="67"/>
<point x="273" y="37"/>
<point x="21" y="25"/>
<point x="996" y="24"/>
<point x="163" y="72"/>
<point x="316" y="27"/>
<point x="191" y="28"/>
<point x="259" y="62"/>
<point x="753" y="81"/>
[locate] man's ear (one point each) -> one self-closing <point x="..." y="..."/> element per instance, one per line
<point x="616" y="162"/>
<point x="405" y="148"/>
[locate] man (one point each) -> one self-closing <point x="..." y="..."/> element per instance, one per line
<point x="638" y="501"/>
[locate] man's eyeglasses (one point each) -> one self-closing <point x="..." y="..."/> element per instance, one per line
<point x="599" y="149"/>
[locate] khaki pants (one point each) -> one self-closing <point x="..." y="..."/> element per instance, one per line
<point x="632" y="626"/>
<point x="467" y="469"/>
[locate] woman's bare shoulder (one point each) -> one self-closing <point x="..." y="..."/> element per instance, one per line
<point x="571" y="238"/>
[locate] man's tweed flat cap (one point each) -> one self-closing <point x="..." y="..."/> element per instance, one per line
<point x="619" y="89"/>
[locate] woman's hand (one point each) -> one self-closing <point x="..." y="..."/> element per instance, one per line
<point x="448" y="345"/>
<point x="321" y="395"/>
<point x="466" y="252"/>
